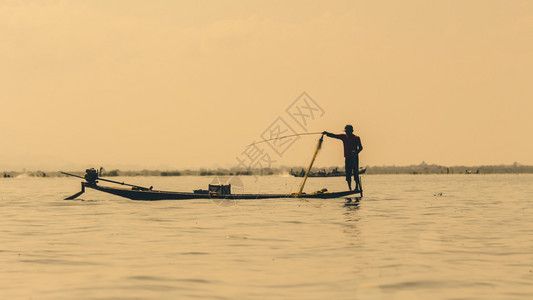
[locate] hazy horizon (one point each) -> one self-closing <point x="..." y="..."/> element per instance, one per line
<point x="178" y="85"/>
<point x="136" y="168"/>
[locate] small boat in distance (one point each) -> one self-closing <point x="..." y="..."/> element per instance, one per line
<point x="322" y="173"/>
<point x="220" y="191"/>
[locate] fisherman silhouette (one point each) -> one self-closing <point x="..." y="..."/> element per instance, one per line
<point x="352" y="147"/>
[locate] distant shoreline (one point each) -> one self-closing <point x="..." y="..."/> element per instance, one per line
<point x="422" y="168"/>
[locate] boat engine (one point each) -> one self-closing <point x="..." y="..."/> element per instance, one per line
<point x="91" y="175"/>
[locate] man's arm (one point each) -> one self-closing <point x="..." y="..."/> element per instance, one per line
<point x="331" y="135"/>
<point x="359" y="145"/>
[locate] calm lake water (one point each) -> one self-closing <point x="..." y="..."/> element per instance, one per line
<point x="410" y="237"/>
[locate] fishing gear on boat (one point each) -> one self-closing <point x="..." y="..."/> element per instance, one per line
<point x="285" y="136"/>
<point x="318" y="147"/>
<point x="215" y="191"/>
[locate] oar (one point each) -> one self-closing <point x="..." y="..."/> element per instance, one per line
<point x="112" y="181"/>
<point x="318" y="146"/>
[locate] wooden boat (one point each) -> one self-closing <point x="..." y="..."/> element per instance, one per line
<point x="151" y="195"/>
<point x="214" y="192"/>
<point x="333" y="173"/>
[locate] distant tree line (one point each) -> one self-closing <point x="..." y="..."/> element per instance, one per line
<point x="421" y="168"/>
<point x="424" y="168"/>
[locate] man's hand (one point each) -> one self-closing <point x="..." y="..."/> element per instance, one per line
<point x="325" y="132"/>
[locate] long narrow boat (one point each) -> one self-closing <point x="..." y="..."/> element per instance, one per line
<point x="134" y="194"/>
<point x="222" y="191"/>
<point x="214" y="192"/>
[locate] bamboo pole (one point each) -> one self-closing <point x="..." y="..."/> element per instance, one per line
<point x="318" y="146"/>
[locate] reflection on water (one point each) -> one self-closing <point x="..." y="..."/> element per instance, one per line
<point x="410" y="237"/>
<point x="351" y="218"/>
<point x="352" y="202"/>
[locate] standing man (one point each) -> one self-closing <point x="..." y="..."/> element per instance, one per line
<point x="352" y="147"/>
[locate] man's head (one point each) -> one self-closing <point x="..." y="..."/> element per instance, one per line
<point x="348" y="129"/>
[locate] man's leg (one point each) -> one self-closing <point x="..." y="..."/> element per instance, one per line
<point x="357" y="183"/>
<point x="348" y="168"/>
<point x="356" y="174"/>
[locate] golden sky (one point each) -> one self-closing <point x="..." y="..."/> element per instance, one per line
<point x="188" y="84"/>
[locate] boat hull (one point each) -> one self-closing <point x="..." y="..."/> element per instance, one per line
<point x="153" y="195"/>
